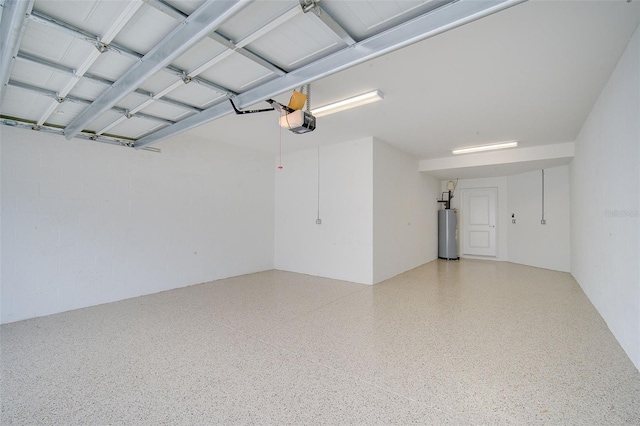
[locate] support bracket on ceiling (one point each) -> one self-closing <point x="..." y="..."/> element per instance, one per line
<point x="307" y="5"/>
<point x="102" y="47"/>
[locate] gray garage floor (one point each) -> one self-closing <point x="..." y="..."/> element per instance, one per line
<point x="469" y="342"/>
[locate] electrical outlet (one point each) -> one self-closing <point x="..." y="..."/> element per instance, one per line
<point x="318" y="221"/>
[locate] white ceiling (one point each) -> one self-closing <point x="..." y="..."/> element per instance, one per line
<point x="531" y="72"/>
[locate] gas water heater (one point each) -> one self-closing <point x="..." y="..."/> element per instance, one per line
<point x="447" y="226"/>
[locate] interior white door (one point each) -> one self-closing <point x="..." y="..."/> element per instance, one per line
<point x="479" y="208"/>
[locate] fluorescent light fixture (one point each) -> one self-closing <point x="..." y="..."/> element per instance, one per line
<point x="480" y="148"/>
<point x="356" y="101"/>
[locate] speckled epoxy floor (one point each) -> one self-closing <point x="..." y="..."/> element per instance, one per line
<point x="469" y="342"/>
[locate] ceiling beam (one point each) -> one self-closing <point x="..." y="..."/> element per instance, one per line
<point x="63" y="27"/>
<point x="211" y="62"/>
<point x="85" y="36"/>
<point x="116" y="26"/>
<point x="21" y="56"/>
<point x="75" y="99"/>
<point x="322" y="16"/>
<point x="434" y="22"/>
<point x="21" y="124"/>
<point x="175" y="13"/>
<point x="197" y="26"/>
<point x="12" y="27"/>
<point x="248" y="54"/>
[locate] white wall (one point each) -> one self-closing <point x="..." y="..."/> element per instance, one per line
<point x="605" y="181"/>
<point x="405" y="223"/>
<point x="342" y="246"/>
<point x="529" y="242"/>
<point x="503" y="218"/>
<point x="2" y="232"/>
<point x="378" y="212"/>
<point x="87" y="223"/>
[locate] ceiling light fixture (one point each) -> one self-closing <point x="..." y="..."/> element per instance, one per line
<point x="480" y="148"/>
<point x="356" y="101"/>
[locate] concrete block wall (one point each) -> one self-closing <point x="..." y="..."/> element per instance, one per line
<point x="605" y="201"/>
<point x="88" y="223"/>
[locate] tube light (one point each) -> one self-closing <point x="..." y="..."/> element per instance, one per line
<point x="480" y="148"/>
<point x="356" y="101"/>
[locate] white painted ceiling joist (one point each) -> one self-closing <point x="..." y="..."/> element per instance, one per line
<point x="88" y="76"/>
<point x="229" y="44"/>
<point x="85" y="136"/>
<point x="318" y="13"/>
<point x="75" y="99"/>
<point x="12" y="27"/>
<point x="197" y="26"/>
<point x="210" y="63"/>
<point x="130" y="9"/>
<point x="90" y="38"/>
